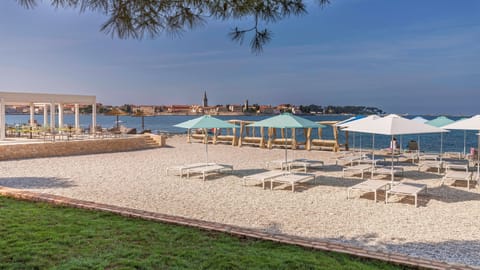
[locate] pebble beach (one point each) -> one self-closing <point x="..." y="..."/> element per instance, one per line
<point x="445" y="226"/>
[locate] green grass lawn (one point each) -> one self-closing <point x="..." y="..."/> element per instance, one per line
<point x="40" y="236"/>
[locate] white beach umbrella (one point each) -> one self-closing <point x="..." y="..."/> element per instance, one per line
<point x="393" y="125"/>
<point x="472" y="123"/>
<point x="345" y="124"/>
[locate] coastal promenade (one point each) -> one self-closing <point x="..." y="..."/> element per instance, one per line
<point x="444" y="228"/>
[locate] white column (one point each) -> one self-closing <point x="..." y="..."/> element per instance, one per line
<point x="60" y="116"/>
<point x="2" y="119"/>
<point x="45" y="116"/>
<point x="52" y="117"/>
<point x="77" y="118"/>
<point x="94" y="118"/>
<point x="32" y="114"/>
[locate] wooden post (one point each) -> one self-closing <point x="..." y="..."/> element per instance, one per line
<point x="214" y="136"/>
<point x="294" y="139"/>
<point x="270" y="138"/>
<point x="335" y="135"/>
<point x="262" y="139"/>
<point x="346" y="141"/>
<point x="320" y="131"/>
<point x="240" y="137"/>
<point x="234" y="134"/>
<point x="308" y="138"/>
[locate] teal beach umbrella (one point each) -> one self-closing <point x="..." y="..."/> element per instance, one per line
<point x="286" y="120"/>
<point x="205" y="122"/>
<point x="440" y="122"/>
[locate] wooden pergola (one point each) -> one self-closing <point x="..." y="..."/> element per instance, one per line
<point x="49" y="102"/>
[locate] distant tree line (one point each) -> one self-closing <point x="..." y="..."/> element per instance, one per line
<point x="330" y="109"/>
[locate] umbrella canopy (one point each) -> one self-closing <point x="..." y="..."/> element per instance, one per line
<point x="420" y="119"/>
<point x="345" y="122"/>
<point x="472" y="123"/>
<point x="357" y="121"/>
<point x="392" y="125"/>
<point x="286" y="120"/>
<point x="205" y="122"/>
<point x="440" y="122"/>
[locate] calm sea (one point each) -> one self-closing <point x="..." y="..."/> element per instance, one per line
<point x="452" y="141"/>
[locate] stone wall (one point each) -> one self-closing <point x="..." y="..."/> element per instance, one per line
<point x="80" y="147"/>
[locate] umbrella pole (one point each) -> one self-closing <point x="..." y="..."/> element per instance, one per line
<point x="373" y="152"/>
<point x="478" y="159"/>
<point x="286" y="158"/>
<point x="393" y="146"/>
<point x="117" y="121"/>
<point x="464" y="143"/>
<point x="441" y="146"/>
<point x="206" y="143"/>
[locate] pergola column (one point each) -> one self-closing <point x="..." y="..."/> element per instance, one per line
<point x="60" y="116"/>
<point x="45" y="116"/>
<point x="32" y="115"/>
<point x="94" y="118"/>
<point x="2" y="119"/>
<point x="77" y="118"/>
<point x="52" y="117"/>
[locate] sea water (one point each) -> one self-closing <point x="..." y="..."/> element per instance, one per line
<point x="452" y="141"/>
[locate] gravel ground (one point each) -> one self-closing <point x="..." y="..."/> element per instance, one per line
<point x="445" y="226"/>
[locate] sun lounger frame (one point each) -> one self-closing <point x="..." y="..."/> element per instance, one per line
<point x="458" y="175"/>
<point x="371" y="186"/>
<point x="403" y="189"/>
<point x="182" y="169"/>
<point x="362" y="168"/>
<point x="263" y="177"/>
<point x="289" y="178"/>
<point x="204" y="170"/>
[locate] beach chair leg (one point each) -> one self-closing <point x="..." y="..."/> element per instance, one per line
<point x="375" y="196"/>
<point x="386" y="197"/>
<point x="293" y="187"/>
<point x="271" y="185"/>
<point x="416" y="198"/>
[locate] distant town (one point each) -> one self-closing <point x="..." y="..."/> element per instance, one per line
<point x="205" y="108"/>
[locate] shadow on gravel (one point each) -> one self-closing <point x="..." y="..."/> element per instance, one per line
<point x="35" y="182"/>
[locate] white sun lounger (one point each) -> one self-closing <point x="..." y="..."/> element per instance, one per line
<point x="182" y="169"/>
<point x="207" y="169"/>
<point x="280" y="163"/>
<point x="263" y="176"/>
<point x="305" y="163"/>
<point x="292" y="179"/>
<point x="348" y="159"/>
<point x="456" y="165"/>
<point x="360" y="168"/>
<point x="408" y="189"/>
<point x="458" y="175"/>
<point x="371" y="186"/>
<point x="431" y="164"/>
<point x="387" y="170"/>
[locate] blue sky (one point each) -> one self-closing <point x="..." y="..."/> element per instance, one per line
<point x="404" y="56"/>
